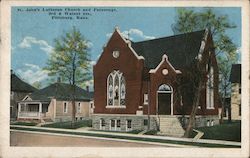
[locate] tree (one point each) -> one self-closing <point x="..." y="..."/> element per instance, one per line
<point x="70" y="61"/>
<point x="37" y="84"/>
<point x="188" y="20"/>
<point x="224" y="69"/>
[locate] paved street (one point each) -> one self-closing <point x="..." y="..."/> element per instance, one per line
<point x="33" y="139"/>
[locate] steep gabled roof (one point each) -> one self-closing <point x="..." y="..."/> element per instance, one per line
<point x="18" y="85"/>
<point x="180" y="49"/>
<point x="60" y="91"/>
<point x="235" y="75"/>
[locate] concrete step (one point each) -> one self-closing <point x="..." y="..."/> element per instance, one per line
<point x="171" y="126"/>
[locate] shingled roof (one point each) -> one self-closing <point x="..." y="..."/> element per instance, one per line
<point x="60" y="91"/>
<point x="235" y="76"/>
<point x="18" y="85"/>
<point x="181" y="49"/>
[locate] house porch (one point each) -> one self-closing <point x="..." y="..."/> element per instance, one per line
<point x="32" y="110"/>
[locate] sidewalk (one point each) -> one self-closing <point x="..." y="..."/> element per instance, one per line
<point x="127" y="136"/>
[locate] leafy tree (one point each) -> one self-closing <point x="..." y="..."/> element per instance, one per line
<point x="70" y="61"/>
<point x="225" y="86"/>
<point x="37" y="84"/>
<point x="188" y="20"/>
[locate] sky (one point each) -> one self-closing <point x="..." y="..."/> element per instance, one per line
<point x="33" y="31"/>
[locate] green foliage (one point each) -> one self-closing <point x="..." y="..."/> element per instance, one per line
<point x="70" y="58"/>
<point x="37" y="84"/>
<point x="136" y="131"/>
<point x="25" y="123"/>
<point x="69" y="125"/>
<point x="188" y="20"/>
<point x="224" y="69"/>
<point x="151" y="132"/>
<point x="226" y="131"/>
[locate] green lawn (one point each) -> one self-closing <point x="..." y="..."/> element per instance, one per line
<point x="131" y="132"/>
<point x="69" y="125"/>
<point x="151" y="132"/>
<point x="226" y="131"/>
<point x="24" y="123"/>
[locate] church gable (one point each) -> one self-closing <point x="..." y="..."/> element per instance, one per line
<point x="165" y="67"/>
<point x="118" y="48"/>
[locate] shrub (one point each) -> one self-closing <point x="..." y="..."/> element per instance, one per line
<point x="25" y="123"/>
<point x="151" y="132"/>
<point x="69" y="124"/>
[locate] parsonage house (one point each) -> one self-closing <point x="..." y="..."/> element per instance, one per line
<point x="235" y="79"/>
<point x="19" y="89"/>
<point x="54" y="103"/>
<point x="135" y="83"/>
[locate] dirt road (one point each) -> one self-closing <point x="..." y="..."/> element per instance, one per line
<point x="33" y="139"/>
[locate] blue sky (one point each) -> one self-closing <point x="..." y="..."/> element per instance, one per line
<point x="33" y="33"/>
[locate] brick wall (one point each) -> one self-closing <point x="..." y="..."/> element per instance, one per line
<point x="129" y="65"/>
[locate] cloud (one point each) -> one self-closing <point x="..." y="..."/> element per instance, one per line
<point x="32" y="73"/>
<point x="89" y="44"/>
<point x="92" y="62"/>
<point x="238" y="54"/>
<point x="136" y="33"/>
<point x="28" y="41"/>
<point x="108" y="35"/>
<point x="238" y="50"/>
<point x="133" y="33"/>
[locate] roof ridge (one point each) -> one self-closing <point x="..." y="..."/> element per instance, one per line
<point x="164" y="37"/>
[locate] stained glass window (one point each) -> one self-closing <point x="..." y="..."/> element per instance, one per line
<point x="116" y="89"/>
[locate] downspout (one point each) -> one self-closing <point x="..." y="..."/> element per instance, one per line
<point x="149" y="100"/>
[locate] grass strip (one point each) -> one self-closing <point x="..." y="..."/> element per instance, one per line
<point x="131" y="138"/>
<point x="69" y="124"/>
<point x="24" y="123"/>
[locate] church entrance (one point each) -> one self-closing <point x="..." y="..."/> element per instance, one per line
<point x="164" y="97"/>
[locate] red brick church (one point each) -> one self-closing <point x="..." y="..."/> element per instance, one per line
<point x="135" y="83"/>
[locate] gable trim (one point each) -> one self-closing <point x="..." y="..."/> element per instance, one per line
<point x="126" y="41"/>
<point x="203" y="44"/>
<point x="27" y="97"/>
<point x="164" y="59"/>
<point x="129" y="44"/>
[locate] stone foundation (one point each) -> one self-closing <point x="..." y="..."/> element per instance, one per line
<point x="137" y="122"/>
<point x="168" y="125"/>
<point x="200" y="121"/>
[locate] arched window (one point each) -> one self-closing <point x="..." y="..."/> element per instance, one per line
<point x="164" y="88"/>
<point x="116" y="89"/>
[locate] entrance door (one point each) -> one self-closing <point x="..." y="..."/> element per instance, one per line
<point x="164" y="100"/>
<point x="164" y="103"/>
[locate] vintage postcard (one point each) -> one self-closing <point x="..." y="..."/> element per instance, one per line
<point x="124" y="79"/>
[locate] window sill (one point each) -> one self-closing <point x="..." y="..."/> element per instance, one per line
<point x="118" y="107"/>
<point x="210" y="108"/>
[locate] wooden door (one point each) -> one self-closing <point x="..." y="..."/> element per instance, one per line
<point x="164" y="103"/>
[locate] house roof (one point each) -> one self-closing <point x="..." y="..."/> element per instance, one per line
<point x="235" y="75"/>
<point x="19" y="85"/>
<point x="181" y="49"/>
<point x="60" y="91"/>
